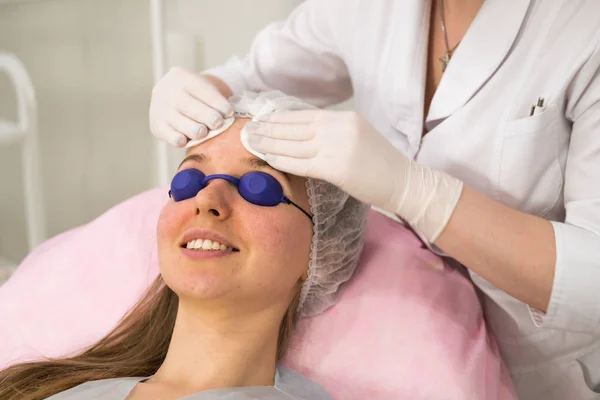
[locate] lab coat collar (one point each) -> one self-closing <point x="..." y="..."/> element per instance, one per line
<point x="482" y="50"/>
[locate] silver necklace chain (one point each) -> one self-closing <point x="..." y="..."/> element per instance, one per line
<point x="445" y="59"/>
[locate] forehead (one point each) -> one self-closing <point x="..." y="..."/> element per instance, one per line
<point x="226" y="144"/>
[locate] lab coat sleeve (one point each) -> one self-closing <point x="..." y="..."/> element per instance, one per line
<point x="302" y="56"/>
<point x="575" y="300"/>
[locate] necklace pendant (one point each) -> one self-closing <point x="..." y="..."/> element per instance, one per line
<point x="445" y="60"/>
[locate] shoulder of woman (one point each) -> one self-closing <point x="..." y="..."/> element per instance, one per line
<point x="297" y="385"/>
<point x="89" y="390"/>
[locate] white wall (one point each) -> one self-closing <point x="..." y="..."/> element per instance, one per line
<point x="91" y="64"/>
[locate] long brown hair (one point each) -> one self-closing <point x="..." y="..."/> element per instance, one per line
<point x="136" y="347"/>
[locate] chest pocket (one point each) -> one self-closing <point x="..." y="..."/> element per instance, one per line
<point x="532" y="162"/>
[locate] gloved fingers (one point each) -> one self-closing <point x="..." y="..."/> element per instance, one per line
<point x="203" y="90"/>
<point x="187" y="126"/>
<point x="171" y="136"/>
<point x="288" y="148"/>
<point x="180" y="102"/>
<point x="199" y="111"/>
<point x="291" y="165"/>
<point x="291" y="117"/>
<point x="293" y="132"/>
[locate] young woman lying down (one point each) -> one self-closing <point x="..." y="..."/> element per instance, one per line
<point x="244" y="251"/>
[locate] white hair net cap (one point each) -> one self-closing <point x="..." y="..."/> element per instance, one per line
<point x="339" y="220"/>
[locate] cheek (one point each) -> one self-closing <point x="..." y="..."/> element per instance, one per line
<point x="168" y="229"/>
<point x="168" y="222"/>
<point x="282" y="247"/>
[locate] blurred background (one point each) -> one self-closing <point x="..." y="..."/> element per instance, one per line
<point x="91" y="67"/>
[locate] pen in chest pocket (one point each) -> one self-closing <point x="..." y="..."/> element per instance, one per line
<point x="537" y="108"/>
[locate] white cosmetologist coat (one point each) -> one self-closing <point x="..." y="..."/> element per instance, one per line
<point x="479" y="131"/>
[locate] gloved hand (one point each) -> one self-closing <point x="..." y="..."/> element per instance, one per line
<point x="344" y="149"/>
<point x="184" y="106"/>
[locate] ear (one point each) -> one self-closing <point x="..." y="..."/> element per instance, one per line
<point x="304" y="277"/>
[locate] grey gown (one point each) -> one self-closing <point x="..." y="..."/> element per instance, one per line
<point x="289" y="385"/>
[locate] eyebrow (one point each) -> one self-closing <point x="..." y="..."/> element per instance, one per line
<point x="199" y="158"/>
<point x="251" y="161"/>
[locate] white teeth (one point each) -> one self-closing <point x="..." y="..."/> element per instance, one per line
<point x="207" y="244"/>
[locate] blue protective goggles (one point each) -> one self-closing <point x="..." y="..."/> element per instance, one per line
<point x="255" y="187"/>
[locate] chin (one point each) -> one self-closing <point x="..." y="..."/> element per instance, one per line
<point x="198" y="287"/>
<point x="209" y="281"/>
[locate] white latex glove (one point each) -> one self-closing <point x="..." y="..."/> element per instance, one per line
<point x="184" y="106"/>
<point x="344" y="149"/>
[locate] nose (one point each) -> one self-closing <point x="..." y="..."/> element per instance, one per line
<point x="215" y="199"/>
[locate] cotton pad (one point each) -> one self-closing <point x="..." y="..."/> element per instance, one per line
<point x="244" y="137"/>
<point x="211" y="134"/>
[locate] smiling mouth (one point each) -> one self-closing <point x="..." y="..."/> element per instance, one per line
<point x="207" y="245"/>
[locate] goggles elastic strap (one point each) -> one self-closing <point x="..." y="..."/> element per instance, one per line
<point x="286" y="200"/>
